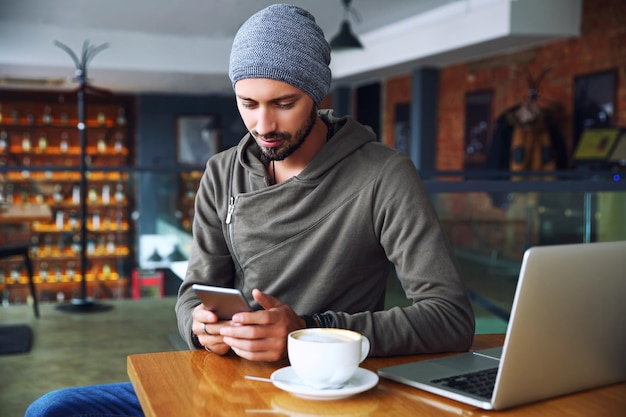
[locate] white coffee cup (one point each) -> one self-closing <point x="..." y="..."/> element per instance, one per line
<point x="326" y="358"/>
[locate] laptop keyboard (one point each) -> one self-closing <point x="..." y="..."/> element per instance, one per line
<point x="479" y="383"/>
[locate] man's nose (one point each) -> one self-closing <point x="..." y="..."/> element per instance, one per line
<point x="266" y="123"/>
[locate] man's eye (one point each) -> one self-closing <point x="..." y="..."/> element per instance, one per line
<point x="284" y="105"/>
<point x="247" y="104"/>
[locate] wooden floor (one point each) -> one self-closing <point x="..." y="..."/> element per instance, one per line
<point x="72" y="349"/>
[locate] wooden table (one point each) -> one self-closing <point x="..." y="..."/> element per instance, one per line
<point x="198" y="383"/>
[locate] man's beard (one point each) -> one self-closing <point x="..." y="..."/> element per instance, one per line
<point x="280" y="153"/>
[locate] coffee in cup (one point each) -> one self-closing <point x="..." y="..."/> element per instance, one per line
<point x="326" y="358"/>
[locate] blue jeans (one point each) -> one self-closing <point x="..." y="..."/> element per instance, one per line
<point x="109" y="400"/>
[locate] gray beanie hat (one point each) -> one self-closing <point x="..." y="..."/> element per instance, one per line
<point x="282" y="42"/>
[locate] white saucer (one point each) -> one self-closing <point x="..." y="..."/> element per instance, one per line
<point x="286" y="379"/>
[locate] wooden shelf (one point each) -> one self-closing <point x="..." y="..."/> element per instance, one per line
<point x="41" y="142"/>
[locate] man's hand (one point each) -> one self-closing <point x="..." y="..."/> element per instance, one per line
<point x="261" y="335"/>
<point x="207" y="327"/>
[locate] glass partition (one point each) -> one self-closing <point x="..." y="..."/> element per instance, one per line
<point x="489" y="220"/>
<point x="490" y="223"/>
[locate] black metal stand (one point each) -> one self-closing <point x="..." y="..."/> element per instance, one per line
<point x="83" y="304"/>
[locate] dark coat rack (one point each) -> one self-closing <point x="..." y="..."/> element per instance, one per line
<point x="83" y="304"/>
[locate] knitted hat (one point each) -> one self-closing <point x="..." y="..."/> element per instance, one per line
<point x="282" y="42"/>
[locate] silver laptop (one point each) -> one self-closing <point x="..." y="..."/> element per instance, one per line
<point x="566" y="334"/>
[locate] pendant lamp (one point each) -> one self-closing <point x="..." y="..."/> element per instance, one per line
<point x="345" y="39"/>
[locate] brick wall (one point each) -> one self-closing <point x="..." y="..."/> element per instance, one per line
<point x="470" y="219"/>
<point x="601" y="46"/>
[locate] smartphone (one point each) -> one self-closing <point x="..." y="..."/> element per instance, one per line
<point x="224" y="302"/>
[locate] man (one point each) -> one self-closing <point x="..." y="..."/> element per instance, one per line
<point x="308" y="216"/>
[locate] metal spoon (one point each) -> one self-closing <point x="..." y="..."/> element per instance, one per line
<point x="292" y="383"/>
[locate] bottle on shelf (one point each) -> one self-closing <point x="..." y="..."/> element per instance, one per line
<point x="4" y="141"/>
<point x="47" y="248"/>
<point x="119" y="142"/>
<point x="46" y="118"/>
<point x="57" y="194"/>
<point x="76" y="194"/>
<point x="75" y="247"/>
<point x="9" y="194"/>
<point x="102" y="144"/>
<point x="92" y="195"/>
<point x="26" y="142"/>
<point x="60" y="220"/>
<point x="73" y="220"/>
<point x="191" y="192"/>
<point x="110" y="247"/>
<point x="34" y="249"/>
<point x="58" y="275"/>
<point x="61" y="244"/>
<point x="95" y="221"/>
<point x="106" y="271"/>
<point x="43" y="143"/>
<point x="106" y="223"/>
<point x="15" y="275"/>
<point x="71" y="272"/>
<point x="24" y="195"/>
<point x="91" y="247"/>
<point x="64" y="144"/>
<point x="119" y="221"/>
<point x="43" y="271"/>
<point x="119" y="193"/>
<point x="106" y="194"/>
<point x="121" y="116"/>
<point x="26" y="163"/>
<point x="102" y="119"/>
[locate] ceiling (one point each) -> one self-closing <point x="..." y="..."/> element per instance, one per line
<point x="164" y="46"/>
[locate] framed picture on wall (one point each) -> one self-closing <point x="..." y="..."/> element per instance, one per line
<point x="594" y="101"/>
<point x="477" y="127"/>
<point x="198" y="138"/>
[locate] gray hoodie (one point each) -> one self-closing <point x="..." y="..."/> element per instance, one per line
<point x="327" y="241"/>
